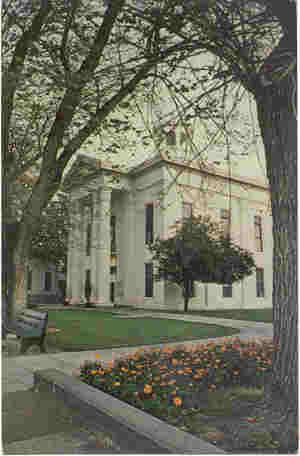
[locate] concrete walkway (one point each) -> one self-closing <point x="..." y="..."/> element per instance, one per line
<point x="17" y="372"/>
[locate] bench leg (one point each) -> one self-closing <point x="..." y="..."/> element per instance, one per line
<point x="24" y="346"/>
<point x="43" y="348"/>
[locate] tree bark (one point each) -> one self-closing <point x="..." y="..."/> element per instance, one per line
<point x="18" y="252"/>
<point x="278" y="124"/>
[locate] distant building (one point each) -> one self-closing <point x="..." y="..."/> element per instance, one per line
<point x="44" y="284"/>
<point x="116" y="214"/>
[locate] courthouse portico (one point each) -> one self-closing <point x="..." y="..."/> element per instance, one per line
<point x="115" y="215"/>
<point x="90" y="254"/>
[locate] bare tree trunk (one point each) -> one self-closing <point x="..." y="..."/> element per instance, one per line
<point x="42" y="193"/>
<point x="278" y="123"/>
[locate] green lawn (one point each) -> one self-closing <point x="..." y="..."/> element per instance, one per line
<point x="82" y="330"/>
<point x="263" y="315"/>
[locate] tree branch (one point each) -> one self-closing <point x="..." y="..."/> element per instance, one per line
<point x="12" y="75"/>
<point x="72" y="96"/>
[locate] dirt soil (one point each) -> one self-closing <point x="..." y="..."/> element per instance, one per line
<point x="248" y="427"/>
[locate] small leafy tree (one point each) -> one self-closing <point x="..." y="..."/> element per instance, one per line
<point x="50" y="241"/>
<point x="199" y="252"/>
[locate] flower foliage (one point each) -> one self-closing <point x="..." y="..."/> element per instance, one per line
<point x="161" y="380"/>
<point x="200" y="247"/>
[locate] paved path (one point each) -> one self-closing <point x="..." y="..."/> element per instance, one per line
<point x="17" y="372"/>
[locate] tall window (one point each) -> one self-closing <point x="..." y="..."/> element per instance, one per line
<point x="112" y="291"/>
<point x="148" y="280"/>
<point x="149" y="223"/>
<point x="260" y="285"/>
<point x="227" y="291"/>
<point x="48" y="281"/>
<point x="113" y="245"/>
<point x="187" y="210"/>
<point x="225" y="221"/>
<point x="88" y="238"/>
<point x="29" y="280"/>
<point x="258" y="233"/>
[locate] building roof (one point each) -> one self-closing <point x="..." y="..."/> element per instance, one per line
<point x="86" y="168"/>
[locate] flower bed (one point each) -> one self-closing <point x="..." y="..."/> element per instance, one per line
<point x="168" y="382"/>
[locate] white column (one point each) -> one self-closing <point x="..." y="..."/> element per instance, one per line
<point x="128" y="257"/>
<point x="78" y="269"/>
<point x="71" y="253"/>
<point x="100" y="274"/>
<point x="244" y="241"/>
<point x="159" y="287"/>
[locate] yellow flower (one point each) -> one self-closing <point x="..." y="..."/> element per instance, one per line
<point x="148" y="389"/>
<point x="97" y="355"/>
<point x="93" y="372"/>
<point x="117" y="384"/>
<point x="177" y="401"/>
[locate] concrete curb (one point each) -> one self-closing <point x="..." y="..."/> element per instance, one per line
<point x="146" y="428"/>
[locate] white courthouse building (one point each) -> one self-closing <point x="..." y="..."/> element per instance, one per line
<point x="116" y="214"/>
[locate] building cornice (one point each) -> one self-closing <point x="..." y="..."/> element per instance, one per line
<point x="187" y="166"/>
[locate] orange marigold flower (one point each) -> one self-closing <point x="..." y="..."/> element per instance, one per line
<point x="177" y="401"/>
<point x="251" y="420"/>
<point x="148" y="389"/>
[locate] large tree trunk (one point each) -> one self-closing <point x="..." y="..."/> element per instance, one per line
<point x="19" y="249"/>
<point x="276" y="105"/>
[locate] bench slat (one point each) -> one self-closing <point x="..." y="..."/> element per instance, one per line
<point x="29" y="322"/>
<point x="34" y="314"/>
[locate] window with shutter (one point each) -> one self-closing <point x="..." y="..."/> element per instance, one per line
<point x="148" y="280"/>
<point x="260" y="286"/>
<point x="48" y="281"/>
<point x="149" y="223"/>
<point x="258" y="233"/>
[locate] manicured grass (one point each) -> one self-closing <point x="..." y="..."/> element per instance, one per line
<point x="263" y="315"/>
<point x="82" y="330"/>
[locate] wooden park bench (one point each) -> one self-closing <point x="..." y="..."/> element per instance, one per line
<point x="31" y="327"/>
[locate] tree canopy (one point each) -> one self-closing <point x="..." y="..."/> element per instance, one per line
<point x="199" y="252"/>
